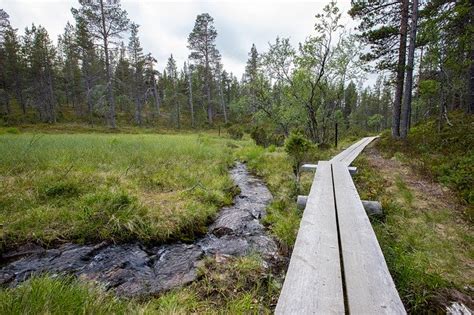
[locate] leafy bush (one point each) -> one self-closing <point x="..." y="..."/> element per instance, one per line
<point x="235" y="132"/>
<point x="446" y="154"/>
<point x="264" y="137"/>
<point x="259" y="135"/>
<point x="298" y="148"/>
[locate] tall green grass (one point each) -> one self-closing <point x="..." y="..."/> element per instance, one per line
<point x="94" y="187"/>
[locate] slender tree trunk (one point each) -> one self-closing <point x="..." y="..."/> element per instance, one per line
<point x="400" y="70"/>
<point x="208" y="96"/>
<point x="221" y="96"/>
<point x="90" y="106"/>
<point x="191" y="107"/>
<point x="108" y="71"/>
<point x="407" y="94"/>
<point x="471" y="68"/>
<point x="156" y="96"/>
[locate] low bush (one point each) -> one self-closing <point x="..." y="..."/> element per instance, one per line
<point x="235" y="132"/>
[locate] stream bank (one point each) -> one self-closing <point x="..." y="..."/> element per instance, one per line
<point x="136" y="270"/>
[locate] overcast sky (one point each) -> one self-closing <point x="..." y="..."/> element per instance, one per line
<point x="165" y="25"/>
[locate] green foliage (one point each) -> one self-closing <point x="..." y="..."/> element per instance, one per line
<point x="235" y="132"/>
<point x="259" y="135"/>
<point x="426" y="247"/>
<point x="298" y="148"/>
<point x="446" y="155"/>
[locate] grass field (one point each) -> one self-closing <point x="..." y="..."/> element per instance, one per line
<point x="120" y="187"/>
<point x="152" y="188"/>
<point x="425" y="235"/>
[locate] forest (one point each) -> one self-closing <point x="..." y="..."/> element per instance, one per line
<point x="98" y="73"/>
<point x="121" y="177"/>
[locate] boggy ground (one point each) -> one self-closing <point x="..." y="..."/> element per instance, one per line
<point x="138" y="270"/>
<point x="426" y="235"/>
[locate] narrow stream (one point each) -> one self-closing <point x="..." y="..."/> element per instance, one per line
<point x="134" y="269"/>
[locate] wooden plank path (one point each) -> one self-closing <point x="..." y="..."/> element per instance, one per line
<point x="337" y="266"/>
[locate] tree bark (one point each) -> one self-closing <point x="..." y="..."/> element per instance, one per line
<point x="407" y="94"/>
<point x="108" y="71"/>
<point x="191" y="107"/>
<point x="221" y="95"/>
<point x="400" y="70"/>
<point x="471" y="68"/>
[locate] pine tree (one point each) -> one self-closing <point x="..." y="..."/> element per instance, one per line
<point x="71" y="70"/>
<point x="384" y="27"/>
<point x="41" y="55"/>
<point x="90" y="66"/>
<point x="14" y="67"/>
<point x="151" y="79"/>
<point x="189" y="79"/>
<point x="172" y="72"/>
<point x="201" y="42"/>
<point x="137" y="62"/>
<point x="105" y="21"/>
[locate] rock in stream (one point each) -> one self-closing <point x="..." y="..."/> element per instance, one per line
<point x="134" y="269"/>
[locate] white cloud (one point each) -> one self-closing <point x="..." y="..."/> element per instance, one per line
<point x="165" y="25"/>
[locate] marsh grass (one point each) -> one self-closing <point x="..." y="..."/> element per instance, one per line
<point x="234" y="286"/>
<point x="427" y="247"/>
<point x="120" y="187"/>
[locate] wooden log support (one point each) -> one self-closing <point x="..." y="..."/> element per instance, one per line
<point x="370" y="207"/>
<point x="313" y="167"/>
<point x="301" y="202"/>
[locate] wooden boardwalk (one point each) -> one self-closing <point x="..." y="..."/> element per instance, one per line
<point x="337" y="265"/>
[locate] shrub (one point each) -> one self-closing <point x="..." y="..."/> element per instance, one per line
<point x="298" y="148"/>
<point x="259" y="135"/>
<point x="235" y="132"/>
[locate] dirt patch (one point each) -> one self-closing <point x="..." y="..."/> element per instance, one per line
<point x="428" y="195"/>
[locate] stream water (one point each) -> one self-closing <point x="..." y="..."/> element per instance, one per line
<point x="134" y="269"/>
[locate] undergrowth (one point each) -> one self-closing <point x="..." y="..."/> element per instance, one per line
<point x="426" y="248"/>
<point x="226" y="285"/>
<point x="445" y="155"/>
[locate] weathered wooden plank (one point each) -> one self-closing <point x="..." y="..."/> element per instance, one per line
<point x="369" y="285"/>
<point x="313" y="283"/>
<point x="350" y="154"/>
<point x="343" y="154"/>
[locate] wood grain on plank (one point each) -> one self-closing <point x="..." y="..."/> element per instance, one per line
<point x="350" y="154"/>
<point x="369" y="285"/>
<point x="313" y="283"/>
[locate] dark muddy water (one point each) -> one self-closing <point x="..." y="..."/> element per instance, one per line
<point x="134" y="269"/>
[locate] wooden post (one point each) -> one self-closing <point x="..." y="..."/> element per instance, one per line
<point x="335" y="140"/>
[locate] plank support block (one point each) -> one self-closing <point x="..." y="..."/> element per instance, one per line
<point x="313" y="167"/>
<point x="308" y="167"/>
<point x="301" y="202"/>
<point x="371" y="207"/>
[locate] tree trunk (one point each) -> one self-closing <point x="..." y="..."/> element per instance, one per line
<point x="407" y="94"/>
<point x="221" y="96"/>
<point x="156" y="96"/>
<point x="471" y="69"/>
<point x="191" y="107"/>
<point x="400" y="70"/>
<point x="208" y="96"/>
<point x="108" y="71"/>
